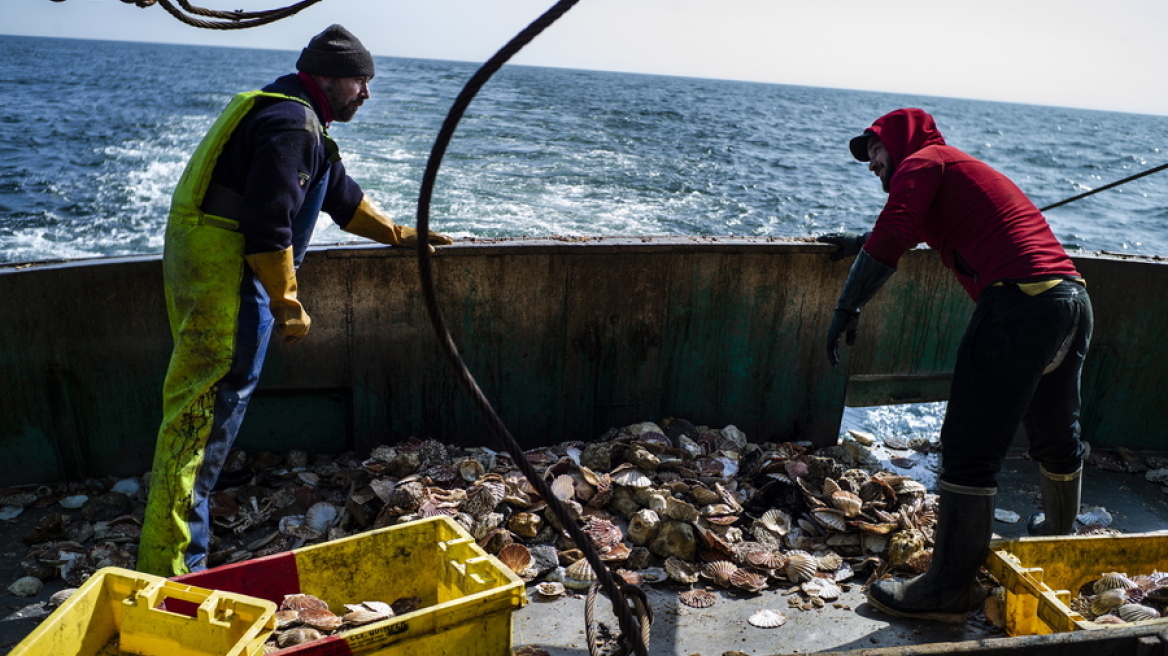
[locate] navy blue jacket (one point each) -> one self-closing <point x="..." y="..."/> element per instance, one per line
<point x="273" y="158"/>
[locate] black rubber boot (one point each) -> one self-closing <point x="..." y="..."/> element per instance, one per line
<point x="1061" y="495"/>
<point x="949" y="590"/>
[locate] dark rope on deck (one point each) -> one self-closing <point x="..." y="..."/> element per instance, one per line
<point x="633" y="636"/>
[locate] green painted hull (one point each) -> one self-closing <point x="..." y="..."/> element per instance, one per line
<point x="567" y="339"/>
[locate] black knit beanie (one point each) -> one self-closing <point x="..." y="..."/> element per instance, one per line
<point x="335" y="52"/>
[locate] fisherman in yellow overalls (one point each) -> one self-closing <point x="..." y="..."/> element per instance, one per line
<point x="240" y="221"/>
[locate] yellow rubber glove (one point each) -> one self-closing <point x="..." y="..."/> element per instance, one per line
<point x="370" y="222"/>
<point x="276" y="271"/>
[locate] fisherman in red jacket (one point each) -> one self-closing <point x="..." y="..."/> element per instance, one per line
<point x="1020" y="360"/>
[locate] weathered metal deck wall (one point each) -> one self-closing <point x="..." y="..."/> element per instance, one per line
<point x="567" y="338"/>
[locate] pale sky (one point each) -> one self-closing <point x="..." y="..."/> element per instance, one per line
<point x="1096" y="54"/>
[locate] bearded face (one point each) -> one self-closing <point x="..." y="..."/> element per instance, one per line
<point x="345" y="95"/>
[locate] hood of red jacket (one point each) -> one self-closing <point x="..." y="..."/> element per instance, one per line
<point x="905" y="131"/>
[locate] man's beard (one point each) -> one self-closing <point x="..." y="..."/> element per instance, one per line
<point x="343" y="111"/>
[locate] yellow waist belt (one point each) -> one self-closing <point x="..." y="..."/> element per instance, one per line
<point x="1036" y="288"/>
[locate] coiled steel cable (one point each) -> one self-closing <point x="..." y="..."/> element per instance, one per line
<point x="225" y="20"/>
<point x="632" y="636"/>
<point x="228" y="20"/>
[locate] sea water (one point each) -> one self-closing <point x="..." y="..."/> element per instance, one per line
<point x="96" y="135"/>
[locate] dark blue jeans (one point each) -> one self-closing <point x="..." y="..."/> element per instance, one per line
<point x="999" y="384"/>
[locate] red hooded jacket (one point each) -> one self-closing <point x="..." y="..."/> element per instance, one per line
<point x="985" y="229"/>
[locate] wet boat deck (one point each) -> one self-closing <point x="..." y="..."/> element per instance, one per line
<point x="557" y="626"/>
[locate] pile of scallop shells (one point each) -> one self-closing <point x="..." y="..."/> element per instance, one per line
<point x="303" y="618"/>
<point x="1115" y="598"/>
<point x="83" y="527"/>
<point x="666" y="502"/>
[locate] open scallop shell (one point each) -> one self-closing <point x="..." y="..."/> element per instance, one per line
<point x="745" y="579"/>
<point x="629" y="576"/>
<point x="550" y="588"/>
<point x="697" y="598"/>
<point x="767" y="619"/>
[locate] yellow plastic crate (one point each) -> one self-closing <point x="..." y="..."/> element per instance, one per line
<point x="118" y="611"/>
<point x="1042" y="575"/>
<point x="468" y="596"/>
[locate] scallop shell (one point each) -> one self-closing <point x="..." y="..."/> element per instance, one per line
<point x="801" y="566"/>
<point x="631" y="477"/>
<point x="720" y="571"/>
<point x="776" y="521"/>
<point x="550" y="588"/>
<point x="629" y="576"/>
<point x="697" y="598"/>
<point x="483" y="497"/>
<point x="299" y="636"/>
<point x="744" y="579"/>
<point x="321" y="619"/>
<point x="704" y="496"/>
<point x="848" y="502"/>
<point x="1107" y="601"/>
<point x="765" y="559"/>
<point x="1113" y="581"/>
<point x="516" y="557"/>
<point x="286" y="619"/>
<point x="1136" y="612"/>
<point x="301" y="602"/>
<point x="379" y="607"/>
<point x="828" y="561"/>
<point x="60" y="596"/>
<point x="825" y="589"/>
<point x="830" y="518"/>
<point x="910" y="489"/>
<point x="1158" y="594"/>
<point x="322" y="516"/>
<point x="746" y="547"/>
<point x="581" y="570"/>
<point x="563" y="487"/>
<point x="471" y="470"/>
<point x="767" y="619"/>
<point x="362" y="617"/>
<point x="680" y="570"/>
<point x="877" y="491"/>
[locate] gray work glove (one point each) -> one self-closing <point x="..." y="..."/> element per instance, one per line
<point x="849" y="243"/>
